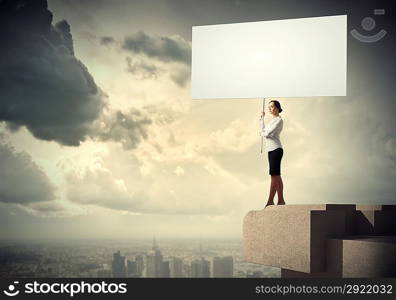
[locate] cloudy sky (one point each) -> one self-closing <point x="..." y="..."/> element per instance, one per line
<point x="99" y="136"/>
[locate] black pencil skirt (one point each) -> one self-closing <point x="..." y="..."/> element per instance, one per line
<point x="274" y="159"/>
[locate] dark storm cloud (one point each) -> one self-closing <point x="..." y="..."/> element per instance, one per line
<point x="167" y="49"/>
<point x="43" y="85"/>
<point x="21" y="180"/>
<point x="64" y="29"/>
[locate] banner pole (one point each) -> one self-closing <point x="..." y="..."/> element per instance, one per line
<point x="262" y="120"/>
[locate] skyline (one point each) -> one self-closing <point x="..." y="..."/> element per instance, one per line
<point x="121" y="150"/>
<point x="96" y="258"/>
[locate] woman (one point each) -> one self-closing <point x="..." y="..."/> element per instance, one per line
<point x="275" y="151"/>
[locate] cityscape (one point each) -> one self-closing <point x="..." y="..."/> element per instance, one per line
<point x="144" y="258"/>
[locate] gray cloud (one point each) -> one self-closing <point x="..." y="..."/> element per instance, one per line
<point x="127" y="128"/>
<point x="47" y="206"/>
<point x="142" y="68"/>
<point x="107" y="40"/>
<point x="45" y="209"/>
<point x="165" y="195"/>
<point x="44" y="86"/>
<point x="167" y="49"/>
<point x="98" y="188"/>
<point x="181" y="76"/>
<point x="21" y="180"/>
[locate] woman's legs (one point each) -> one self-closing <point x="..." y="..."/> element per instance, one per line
<point x="281" y="201"/>
<point x="276" y="187"/>
<point x="273" y="188"/>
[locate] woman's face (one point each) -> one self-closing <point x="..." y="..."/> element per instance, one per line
<point x="272" y="108"/>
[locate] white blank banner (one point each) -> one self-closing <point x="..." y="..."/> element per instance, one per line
<point x="281" y="58"/>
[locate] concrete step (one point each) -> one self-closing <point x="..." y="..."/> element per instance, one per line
<point x="297" y="238"/>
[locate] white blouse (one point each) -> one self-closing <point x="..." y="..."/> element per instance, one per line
<point x="271" y="133"/>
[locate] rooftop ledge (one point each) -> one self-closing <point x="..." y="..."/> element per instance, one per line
<point x="323" y="240"/>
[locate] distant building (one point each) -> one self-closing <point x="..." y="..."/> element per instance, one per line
<point x="165" y="271"/>
<point x="154" y="262"/>
<point x="200" y="268"/>
<point x="139" y="264"/>
<point x="119" y="269"/>
<point x="132" y="269"/>
<point x="223" y="266"/>
<point x="186" y="270"/>
<point x="176" y="267"/>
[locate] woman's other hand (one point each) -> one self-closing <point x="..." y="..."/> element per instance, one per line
<point x="262" y="114"/>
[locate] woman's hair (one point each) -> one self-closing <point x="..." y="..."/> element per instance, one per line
<point x="277" y="104"/>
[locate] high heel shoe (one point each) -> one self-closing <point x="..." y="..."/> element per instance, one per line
<point x="268" y="204"/>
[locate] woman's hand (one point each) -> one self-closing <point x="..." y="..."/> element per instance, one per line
<point x="262" y="115"/>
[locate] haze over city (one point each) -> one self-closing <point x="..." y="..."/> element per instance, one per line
<point x="99" y="136"/>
